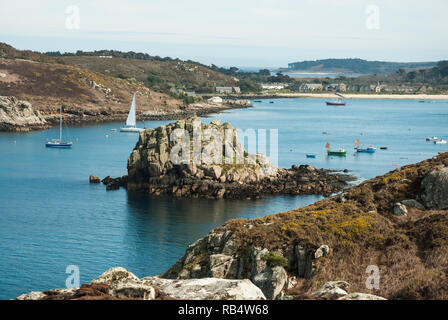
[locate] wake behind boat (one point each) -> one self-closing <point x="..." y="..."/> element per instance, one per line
<point x="131" y="123"/>
<point x="58" y="143"/>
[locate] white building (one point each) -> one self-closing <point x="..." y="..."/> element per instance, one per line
<point x="215" y="100"/>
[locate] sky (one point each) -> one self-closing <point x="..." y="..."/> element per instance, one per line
<point x="251" y="33"/>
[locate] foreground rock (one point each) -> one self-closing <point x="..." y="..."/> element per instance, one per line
<point x="361" y="296"/>
<point x="208" y="289"/>
<point x="435" y="189"/>
<point x="17" y="115"/>
<point x="120" y="284"/>
<point x="188" y="158"/>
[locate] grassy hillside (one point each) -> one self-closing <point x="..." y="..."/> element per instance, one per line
<point x="158" y="74"/>
<point x="357" y="66"/>
<point x="47" y="84"/>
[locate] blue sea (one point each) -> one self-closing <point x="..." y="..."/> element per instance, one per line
<point x="50" y="217"/>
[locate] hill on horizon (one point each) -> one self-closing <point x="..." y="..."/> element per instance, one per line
<point x="158" y="74"/>
<point x="357" y="66"/>
<point x="48" y="83"/>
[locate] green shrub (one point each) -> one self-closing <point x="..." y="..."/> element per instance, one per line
<point x="274" y="260"/>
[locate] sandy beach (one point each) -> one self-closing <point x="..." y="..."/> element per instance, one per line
<point x="365" y="96"/>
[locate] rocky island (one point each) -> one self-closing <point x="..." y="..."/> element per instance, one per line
<point x="385" y="238"/>
<point x="211" y="163"/>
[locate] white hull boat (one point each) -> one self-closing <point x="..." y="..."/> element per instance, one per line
<point x="131" y="129"/>
<point x="131" y="123"/>
<point x="58" y="143"/>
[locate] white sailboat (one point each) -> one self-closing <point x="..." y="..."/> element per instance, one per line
<point x="131" y="124"/>
<point x="58" y="143"/>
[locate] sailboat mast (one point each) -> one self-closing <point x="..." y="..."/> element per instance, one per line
<point x="60" y="126"/>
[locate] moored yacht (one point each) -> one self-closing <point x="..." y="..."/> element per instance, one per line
<point x="131" y="123"/>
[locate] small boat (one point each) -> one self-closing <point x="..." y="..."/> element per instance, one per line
<point x="440" y="141"/>
<point x="131" y="125"/>
<point x="58" y="143"/>
<point x="340" y="153"/>
<point x="113" y="130"/>
<point x="370" y="149"/>
<point x="432" y="139"/>
<point x="336" y="103"/>
<point x="384" y="148"/>
<point x="271" y="101"/>
<point x="311" y="156"/>
<point x="257" y="101"/>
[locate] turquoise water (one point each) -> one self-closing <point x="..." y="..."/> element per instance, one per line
<point x="50" y="217"/>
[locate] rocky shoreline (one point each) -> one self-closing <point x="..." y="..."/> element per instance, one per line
<point x="151" y="168"/>
<point x="19" y="116"/>
<point x="28" y="119"/>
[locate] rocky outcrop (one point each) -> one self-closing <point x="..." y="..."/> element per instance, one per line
<point x="17" y="115"/>
<point x="435" y="189"/>
<point x="217" y="255"/>
<point x="188" y="158"/>
<point x="118" y="283"/>
<point x="93" y="179"/>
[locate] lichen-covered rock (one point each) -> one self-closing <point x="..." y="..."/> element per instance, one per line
<point x="125" y="284"/>
<point x="435" y="189"/>
<point x="207" y="289"/>
<point x="113" y="276"/>
<point x="400" y="210"/>
<point x="17" y="115"/>
<point x="361" y="296"/>
<point x="35" y="295"/>
<point x="332" y="290"/>
<point x="271" y="281"/>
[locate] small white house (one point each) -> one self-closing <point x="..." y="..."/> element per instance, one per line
<point x="215" y="100"/>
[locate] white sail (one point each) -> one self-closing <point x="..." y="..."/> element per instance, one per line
<point x="131" y="122"/>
